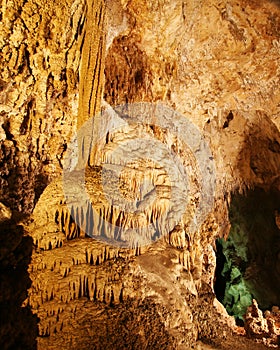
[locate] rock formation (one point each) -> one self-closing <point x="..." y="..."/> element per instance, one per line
<point x="131" y="264"/>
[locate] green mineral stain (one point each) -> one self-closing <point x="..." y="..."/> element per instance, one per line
<point x="237" y="291"/>
<point x="248" y="261"/>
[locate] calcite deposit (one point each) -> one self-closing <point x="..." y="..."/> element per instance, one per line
<point x="263" y="327"/>
<point x="103" y="244"/>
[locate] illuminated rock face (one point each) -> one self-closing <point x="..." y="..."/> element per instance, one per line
<point x="215" y="63"/>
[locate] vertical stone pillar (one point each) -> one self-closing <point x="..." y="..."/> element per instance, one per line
<point x="91" y="74"/>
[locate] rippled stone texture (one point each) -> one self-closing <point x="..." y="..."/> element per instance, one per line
<point x="217" y="63"/>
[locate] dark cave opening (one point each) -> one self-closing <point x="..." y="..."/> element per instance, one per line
<point x="18" y="323"/>
<point x="248" y="261"/>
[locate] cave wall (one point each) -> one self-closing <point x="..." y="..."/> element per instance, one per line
<point x="40" y="58"/>
<point x="189" y="71"/>
<point x="217" y="63"/>
<point x="18" y="324"/>
<point x="39" y="94"/>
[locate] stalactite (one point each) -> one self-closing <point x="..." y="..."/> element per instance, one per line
<point x="91" y="71"/>
<point x="80" y="293"/>
<point x="92" y="291"/>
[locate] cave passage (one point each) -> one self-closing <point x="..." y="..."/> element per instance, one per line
<point x="248" y="261"/>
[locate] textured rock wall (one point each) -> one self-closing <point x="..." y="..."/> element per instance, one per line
<point x="39" y="75"/>
<point x="217" y="63"/>
<point x="40" y="59"/>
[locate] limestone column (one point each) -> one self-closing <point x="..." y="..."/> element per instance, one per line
<point x="91" y="75"/>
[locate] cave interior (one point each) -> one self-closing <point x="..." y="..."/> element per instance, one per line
<point x="248" y="260"/>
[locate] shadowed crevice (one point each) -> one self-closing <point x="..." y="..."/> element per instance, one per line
<point x="18" y="325"/>
<point x="248" y="262"/>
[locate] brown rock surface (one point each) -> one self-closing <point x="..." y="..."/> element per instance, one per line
<point x="214" y="62"/>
